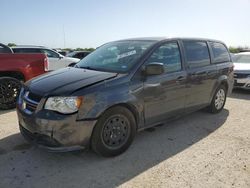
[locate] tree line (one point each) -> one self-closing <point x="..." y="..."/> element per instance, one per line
<point x="231" y="48"/>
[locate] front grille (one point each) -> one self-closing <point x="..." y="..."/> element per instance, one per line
<point x="31" y="107"/>
<point x="239" y="84"/>
<point x="241" y="75"/>
<point x="34" y="97"/>
<point x="30" y="101"/>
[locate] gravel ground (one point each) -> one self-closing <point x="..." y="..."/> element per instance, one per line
<point x="199" y="150"/>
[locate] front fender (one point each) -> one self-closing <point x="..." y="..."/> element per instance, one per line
<point x="96" y="103"/>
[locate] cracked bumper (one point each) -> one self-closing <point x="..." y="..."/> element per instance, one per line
<point x="55" y="132"/>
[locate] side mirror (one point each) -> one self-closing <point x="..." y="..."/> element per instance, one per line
<point x="60" y="56"/>
<point x="154" y="69"/>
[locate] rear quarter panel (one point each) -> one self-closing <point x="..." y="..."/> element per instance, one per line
<point x="30" y="65"/>
<point x="226" y="75"/>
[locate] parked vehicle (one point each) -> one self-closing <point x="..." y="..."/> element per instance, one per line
<point x="123" y="87"/>
<point x="78" y="54"/>
<point x="242" y="70"/>
<point x="232" y="56"/>
<point x="62" y="52"/>
<point x="5" y="49"/>
<point x="55" y="59"/>
<point x="17" y="68"/>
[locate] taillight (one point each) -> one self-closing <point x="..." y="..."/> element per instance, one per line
<point x="46" y="64"/>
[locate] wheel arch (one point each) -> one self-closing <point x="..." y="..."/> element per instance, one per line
<point x="128" y="106"/>
<point x="13" y="74"/>
<point x="224" y="83"/>
<point x="221" y="81"/>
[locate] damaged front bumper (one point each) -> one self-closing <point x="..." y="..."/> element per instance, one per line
<point x="55" y="132"/>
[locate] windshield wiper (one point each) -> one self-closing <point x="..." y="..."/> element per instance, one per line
<point x="96" y="69"/>
<point x="88" y="67"/>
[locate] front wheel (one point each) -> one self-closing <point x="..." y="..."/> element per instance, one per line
<point x="218" y="100"/>
<point x="114" y="132"/>
<point x="9" y="91"/>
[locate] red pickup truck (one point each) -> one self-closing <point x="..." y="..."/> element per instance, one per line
<point x="15" y="69"/>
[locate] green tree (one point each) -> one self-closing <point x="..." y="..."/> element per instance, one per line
<point x="11" y="44"/>
<point x="234" y="50"/>
<point x="90" y="49"/>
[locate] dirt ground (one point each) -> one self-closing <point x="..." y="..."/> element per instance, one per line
<point x="199" y="150"/>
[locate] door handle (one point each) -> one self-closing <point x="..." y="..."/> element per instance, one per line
<point x="153" y="85"/>
<point x="199" y="73"/>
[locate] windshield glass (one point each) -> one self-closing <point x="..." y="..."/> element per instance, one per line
<point x="240" y="58"/>
<point x="118" y="56"/>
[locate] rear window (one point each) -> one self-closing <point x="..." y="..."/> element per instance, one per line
<point x="220" y="52"/>
<point x="26" y="50"/>
<point x="4" y="50"/>
<point x="197" y="53"/>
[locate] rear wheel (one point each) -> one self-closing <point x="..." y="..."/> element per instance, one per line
<point x="114" y="132"/>
<point x="218" y="100"/>
<point x="9" y="91"/>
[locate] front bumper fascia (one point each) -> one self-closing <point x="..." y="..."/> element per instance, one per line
<point x="243" y="83"/>
<point x="55" y="132"/>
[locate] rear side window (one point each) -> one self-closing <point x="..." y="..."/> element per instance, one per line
<point x="220" y="52"/>
<point x="197" y="53"/>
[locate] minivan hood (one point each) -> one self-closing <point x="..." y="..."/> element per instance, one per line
<point x="65" y="81"/>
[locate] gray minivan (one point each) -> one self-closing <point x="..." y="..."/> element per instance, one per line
<point x="121" y="88"/>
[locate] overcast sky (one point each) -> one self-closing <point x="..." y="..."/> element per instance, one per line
<point x="90" y="23"/>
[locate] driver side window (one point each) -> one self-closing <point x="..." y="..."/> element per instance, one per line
<point x="169" y="55"/>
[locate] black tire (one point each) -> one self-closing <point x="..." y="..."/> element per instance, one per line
<point x="107" y="143"/>
<point x="9" y="91"/>
<point x="214" y="107"/>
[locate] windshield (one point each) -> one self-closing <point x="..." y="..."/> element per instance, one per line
<point x="242" y="58"/>
<point x="118" y="56"/>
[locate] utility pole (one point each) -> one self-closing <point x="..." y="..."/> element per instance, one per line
<point x="64" y="41"/>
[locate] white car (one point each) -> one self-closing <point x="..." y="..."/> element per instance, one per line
<point x="56" y="60"/>
<point x="242" y="70"/>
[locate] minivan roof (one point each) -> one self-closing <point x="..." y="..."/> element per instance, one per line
<point x="169" y="38"/>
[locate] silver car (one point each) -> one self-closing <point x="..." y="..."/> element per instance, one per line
<point x="242" y="70"/>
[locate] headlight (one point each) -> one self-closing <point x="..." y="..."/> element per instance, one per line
<point x="65" y="105"/>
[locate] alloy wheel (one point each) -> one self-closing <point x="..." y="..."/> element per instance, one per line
<point x="9" y="91"/>
<point x="219" y="99"/>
